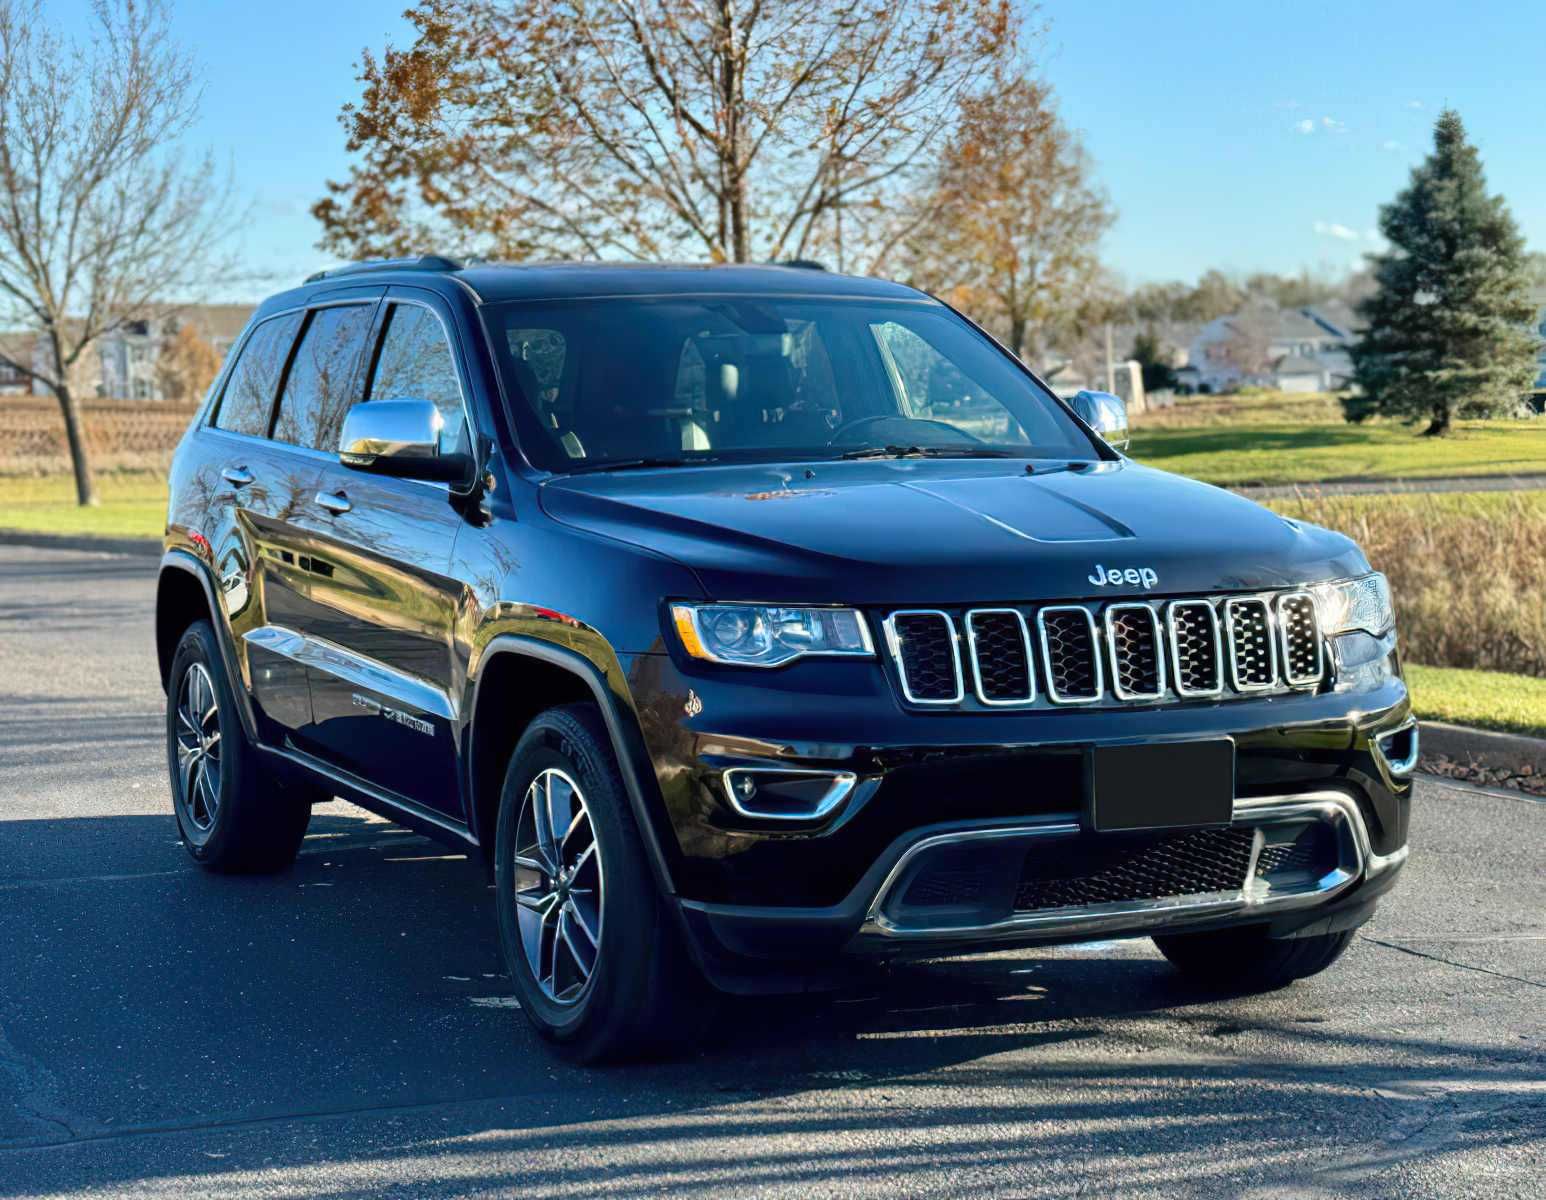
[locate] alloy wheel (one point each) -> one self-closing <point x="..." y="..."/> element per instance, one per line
<point x="198" y="747"/>
<point x="558" y="886"/>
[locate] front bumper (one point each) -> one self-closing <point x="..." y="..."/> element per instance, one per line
<point x="1285" y="885"/>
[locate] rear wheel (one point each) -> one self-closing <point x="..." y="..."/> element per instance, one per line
<point x="232" y="817"/>
<point x="596" y="962"/>
<point x="1248" y="960"/>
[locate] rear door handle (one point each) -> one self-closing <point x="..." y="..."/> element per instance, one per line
<point x="334" y="502"/>
<point x="237" y="476"/>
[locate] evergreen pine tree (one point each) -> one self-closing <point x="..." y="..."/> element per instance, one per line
<point x="1451" y="324"/>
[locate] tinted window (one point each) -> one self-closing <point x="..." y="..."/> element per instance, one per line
<point x="766" y="378"/>
<point x="249" y="394"/>
<point x="415" y="364"/>
<point x="320" y="388"/>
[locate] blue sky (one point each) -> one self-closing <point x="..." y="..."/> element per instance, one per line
<point x="1249" y="135"/>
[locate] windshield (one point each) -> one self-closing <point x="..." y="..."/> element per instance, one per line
<point x="683" y="379"/>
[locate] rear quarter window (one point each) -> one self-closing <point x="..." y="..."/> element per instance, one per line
<point x="249" y="393"/>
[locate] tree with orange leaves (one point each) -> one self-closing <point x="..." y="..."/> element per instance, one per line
<point x="1015" y="218"/>
<point x="726" y="130"/>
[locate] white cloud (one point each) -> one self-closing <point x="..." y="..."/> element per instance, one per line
<point x="1390" y="144"/>
<point x="1333" y="229"/>
<point x="1414" y="103"/>
<point x="1325" y="124"/>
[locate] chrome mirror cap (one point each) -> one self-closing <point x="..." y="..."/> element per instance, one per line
<point x="1105" y="414"/>
<point x="389" y="429"/>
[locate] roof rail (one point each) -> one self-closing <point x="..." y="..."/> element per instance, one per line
<point x="424" y="262"/>
<point x="805" y="264"/>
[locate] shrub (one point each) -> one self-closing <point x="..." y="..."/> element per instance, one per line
<point x="1466" y="571"/>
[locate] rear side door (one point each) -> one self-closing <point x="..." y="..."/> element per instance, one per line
<point x="245" y="494"/>
<point x="382" y="603"/>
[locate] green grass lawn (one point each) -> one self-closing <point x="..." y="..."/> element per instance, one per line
<point x="1309" y="453"/>
<point x="132" y="506"/>
<point x="1487" y="699"/>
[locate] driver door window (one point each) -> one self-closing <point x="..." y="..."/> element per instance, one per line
<point x="415" y="363"/>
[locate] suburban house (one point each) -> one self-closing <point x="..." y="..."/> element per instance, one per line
<point x="123" y="363"/>
<point x="1290" y="349"/>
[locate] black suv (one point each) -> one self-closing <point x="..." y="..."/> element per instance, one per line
<point x="749" y="621"/>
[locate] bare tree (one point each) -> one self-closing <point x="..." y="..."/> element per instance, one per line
<point x="1015" y="219"/>
<point x="1247" y="342"/>
<point x="100" y="219"/>
<point x="729" y="130"/>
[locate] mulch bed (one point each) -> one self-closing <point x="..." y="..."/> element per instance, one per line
<point x="1526" y="779"/>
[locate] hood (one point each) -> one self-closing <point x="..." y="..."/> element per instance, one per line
<point x="949" y="531"/>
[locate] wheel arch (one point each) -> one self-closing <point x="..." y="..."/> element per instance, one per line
<point x="521" y="676"/>
<point x="185" y="593"/>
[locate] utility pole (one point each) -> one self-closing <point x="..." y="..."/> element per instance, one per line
<point x="1111" y="366"/>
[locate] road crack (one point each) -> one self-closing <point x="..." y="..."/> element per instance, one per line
<point x="1439" y="958"/>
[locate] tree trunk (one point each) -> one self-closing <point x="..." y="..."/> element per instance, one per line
<point x="1439" y="425"/>
<point x="80" y="454"/>
<point x="1017" y="336"/>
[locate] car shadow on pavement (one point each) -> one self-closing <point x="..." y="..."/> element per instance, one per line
<point x="144" y="998"/>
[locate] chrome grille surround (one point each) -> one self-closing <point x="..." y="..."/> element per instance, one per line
<point x="1247" y="644"/>
<point x="1173" y="617"/>
<point x="1049" y="656"/>
<point x="973" y="617"/>
<point x="895" y="643"/>
<point x="1299" y="634"/>
<point x="1122" y="654"/>
<point x="1203" y="647"/>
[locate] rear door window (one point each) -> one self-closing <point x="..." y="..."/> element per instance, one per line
<point x="320" y="388"/>
<point x="415" y="363"/>
<point x="249" y="393"/>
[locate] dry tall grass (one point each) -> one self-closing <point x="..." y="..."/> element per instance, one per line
<point x="1468" y="571"/>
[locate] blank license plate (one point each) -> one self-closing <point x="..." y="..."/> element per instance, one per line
<point x="1162" y="785"/>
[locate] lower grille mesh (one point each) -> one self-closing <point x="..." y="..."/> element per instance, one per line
<point x="1186" y="864"/>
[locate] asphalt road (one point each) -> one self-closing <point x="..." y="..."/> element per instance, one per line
<point x="344" y="1029"/>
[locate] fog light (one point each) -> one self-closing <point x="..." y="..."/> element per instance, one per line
<point x="786" y="794"/>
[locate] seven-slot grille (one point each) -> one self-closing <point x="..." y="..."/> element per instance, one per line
<point x="1127" y="652"/>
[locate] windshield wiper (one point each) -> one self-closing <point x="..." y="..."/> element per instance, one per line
<point x="923" y="452"/>
<point x="635" y="464"/>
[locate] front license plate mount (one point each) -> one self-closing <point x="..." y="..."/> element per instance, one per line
<point x="1160" y="785"/>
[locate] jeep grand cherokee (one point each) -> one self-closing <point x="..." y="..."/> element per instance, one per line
<point x="751" y="621"/>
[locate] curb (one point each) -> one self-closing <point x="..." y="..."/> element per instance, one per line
<point x="1462" y="744"/>
<point x="140" y="547"/>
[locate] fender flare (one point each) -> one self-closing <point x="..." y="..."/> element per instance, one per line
<point x="622" y="729"/>
<point x="183" y="560"/>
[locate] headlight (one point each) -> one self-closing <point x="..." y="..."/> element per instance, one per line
<point x="1356" y="604"/>
<point x="755" y="635"/>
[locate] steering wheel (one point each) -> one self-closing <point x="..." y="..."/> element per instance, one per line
<point x="860" y="422"/>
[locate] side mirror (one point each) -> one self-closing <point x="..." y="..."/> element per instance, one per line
<point x="399" y="438"/>
<point x="1105" y="414"/>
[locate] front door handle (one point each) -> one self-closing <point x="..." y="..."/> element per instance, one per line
<point x="334" y="502"/>
<point x="237" y="476"/>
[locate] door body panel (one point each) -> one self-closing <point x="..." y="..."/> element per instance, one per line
<point x="379" y="612"/>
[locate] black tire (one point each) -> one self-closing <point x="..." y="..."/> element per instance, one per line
<point x="643" y="996"/>
<point x="1247" y="960"/>
<point x="246" y="822"/>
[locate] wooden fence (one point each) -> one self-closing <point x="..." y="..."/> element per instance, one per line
<point x="123" y="435"/>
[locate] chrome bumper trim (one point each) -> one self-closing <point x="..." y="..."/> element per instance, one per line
<point x="1399" y="768"/>
<point x="1355" y="859"/>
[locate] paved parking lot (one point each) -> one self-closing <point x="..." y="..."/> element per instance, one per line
<point x="344" y="1029"/>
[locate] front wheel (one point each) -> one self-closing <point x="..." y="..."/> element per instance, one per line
<point x="597" y="965"/>
<point x="1247" y="960"/>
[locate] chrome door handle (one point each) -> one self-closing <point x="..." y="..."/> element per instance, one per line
<point x="334" y="502"/>
<point x="237" y="476"/>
